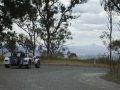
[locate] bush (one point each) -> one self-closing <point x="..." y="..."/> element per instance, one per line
<point x="50" y="57"/>
<point x="88" y="60"/>
<point x="103" y="60"/>
<point x="1" y="58"/>
<point x="118" y="62"/>
<point x="113" y="76"/>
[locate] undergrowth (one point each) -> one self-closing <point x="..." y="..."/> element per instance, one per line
<point x="1" y="58"/>
<point x="113" y="76"/>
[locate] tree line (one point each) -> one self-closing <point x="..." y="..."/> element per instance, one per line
<point x="45" y="23"/>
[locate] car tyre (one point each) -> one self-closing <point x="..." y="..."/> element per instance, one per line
<point x="28" y="65"/>
<point x="38" y="64"/>
<point x="7" y="66"/>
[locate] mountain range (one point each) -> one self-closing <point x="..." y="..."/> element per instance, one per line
<point x="88" y="51"/>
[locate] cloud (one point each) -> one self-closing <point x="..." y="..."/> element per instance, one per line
<point x="85" y="38"/>
<point x="93" y="21"/>
<point x="92" y="6"/>
<point x="89" y="26"/>
<point x="18" y="29"/>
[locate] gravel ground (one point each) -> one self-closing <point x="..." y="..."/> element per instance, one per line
<point x="54" y="77"/>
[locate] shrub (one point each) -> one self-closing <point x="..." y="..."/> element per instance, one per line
<point x="1" y="58"/>
<point x="103" y="60"/>
<point x="113" y="76"/>
<point x="50" y="57"/>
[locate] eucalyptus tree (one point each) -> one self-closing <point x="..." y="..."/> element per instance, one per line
<point x="58" y="40"/>
<point x="10" y="11"/>
<point x="116" y="3"/>
<point x="109" y="7"/>
<point x="116" y="46"/>
<point x="24" y="40"/>
<point x="28" y="24"/>
<point x="9" y="41"/>
<point x="5" y="19"/>
<point x="54" y="19"/>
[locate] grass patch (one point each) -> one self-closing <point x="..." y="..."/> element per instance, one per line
<point x="72" y="62"/>
<point x="113" y="76"/>
<point x="75" y="62"/>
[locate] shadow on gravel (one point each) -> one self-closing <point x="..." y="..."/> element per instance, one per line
<point x="15" y="67"/>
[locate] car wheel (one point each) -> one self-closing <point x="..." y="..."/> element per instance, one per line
<point x="7" y="66"/>
<point x="38" y="64"/>
<point x="28" y="65"/>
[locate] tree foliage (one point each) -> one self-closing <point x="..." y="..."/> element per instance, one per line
<point x="54" y="19"/>
<point x="116" y="4"/>
<point x="8" y="41"/>
<point x="72" y="56"/>
<point x="28" y="23"/>
<point x="41" y="19"/>
<point x="25" y="42"/>
<point x="116" y="46"/>
<point x="11" y="10"/>
<point x="109" y="7"/>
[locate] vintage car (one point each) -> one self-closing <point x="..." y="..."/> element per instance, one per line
<point x="21" y="59"/>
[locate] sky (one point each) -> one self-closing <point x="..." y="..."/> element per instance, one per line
<point x="89" y="26"/>
<point x="87" y="29"/>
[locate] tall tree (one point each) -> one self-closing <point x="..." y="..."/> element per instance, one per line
<point x="5" y="19"/>
<point x="116" y="4"/>
<point x="10" y="10"/>
<point x="109" y="7"/>
<point x="116" y="46"/>
<point x="54" y="19"/>
<point x="9" y="41"/>
<point x="28" y="23"/>
<point x="25" y="41"/>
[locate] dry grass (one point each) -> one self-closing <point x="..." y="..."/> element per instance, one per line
<point x="113" y="76"/>
<point x="75" y="62"/>
<point x="72" y="62"/>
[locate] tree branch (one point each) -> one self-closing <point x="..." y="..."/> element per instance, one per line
<point x="115" y="4"/>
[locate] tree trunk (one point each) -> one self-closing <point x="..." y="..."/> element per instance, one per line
<point x="48" y="44"/>
<point x="34" y="44"/>
<point x="48" y="28"/>
<point x="112" y="67"/>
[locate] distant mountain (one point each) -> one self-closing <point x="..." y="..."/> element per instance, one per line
<point x="89" y="51"/>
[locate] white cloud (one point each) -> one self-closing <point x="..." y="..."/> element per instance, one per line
<point x="92" y="6"/>
<point x="18" y="29"/>
<point x="82" y="38"/>
<point x="93" y="21"/>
